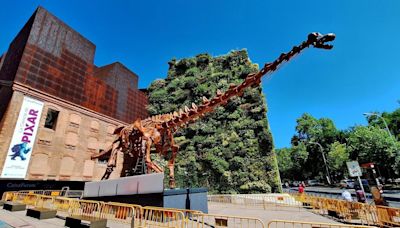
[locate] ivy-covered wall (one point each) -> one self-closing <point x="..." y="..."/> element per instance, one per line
<point x="229" y="150"/>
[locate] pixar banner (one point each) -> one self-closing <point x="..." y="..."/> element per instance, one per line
<point x="19" y="153"/>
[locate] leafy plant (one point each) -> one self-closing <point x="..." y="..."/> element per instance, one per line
<point x="229" y="150"/>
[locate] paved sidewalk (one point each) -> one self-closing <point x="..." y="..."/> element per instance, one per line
<point x="288" y="213"/>
<point x="19" y="219"/>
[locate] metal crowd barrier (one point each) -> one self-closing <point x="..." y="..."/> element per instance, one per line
<point x="62" y="203"/>
<point x="21" y="197"/>
<point x="43" y="201"/>
<point x="355" y="212"/>
<point x="64" y="193"/>
<point x="119" y="212"/>
<point x="258" y="200"/>
<point x="388" y="216"/>
<point x="88" y="208"/>
<point x="7" y="196"/>
<point x="160" y="217"/>
<point x="301" y="224"/>
<point x="211" y="220"/>
<point x="349" y="212"/>
<point x="168" y="217"/>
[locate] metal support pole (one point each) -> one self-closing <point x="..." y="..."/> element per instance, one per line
<point x="387" y="129"/>
<point x="384" y="122"/>
<point x="361" y="185"/>
<point x="328" y="176"/>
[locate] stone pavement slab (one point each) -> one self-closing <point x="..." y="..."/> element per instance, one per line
<point x="282" y="213"/>
<point x="19" y="219"/>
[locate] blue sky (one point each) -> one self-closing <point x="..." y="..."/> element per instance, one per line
<point x="361" y="74"/>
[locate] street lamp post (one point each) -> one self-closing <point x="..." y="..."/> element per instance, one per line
<point x="328" y="176"/>
<point x="387" y="129"/>
<point x="384" y="121"/>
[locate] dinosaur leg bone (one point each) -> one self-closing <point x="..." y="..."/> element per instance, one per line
<point x="112" y="161"/>
<point x="151" y="166"/>
<point x="108" y="172"/>
<point x="171" y="166"/>
<point x="171" y="162"/>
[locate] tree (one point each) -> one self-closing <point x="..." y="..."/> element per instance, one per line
<point x="310" y="131"/>
<point x="363" y="143"/>
<point x="292" y="162"/>
<point x="285" y="161"/>
<point x="373" y="144"/>
<point x="321" y="130"/>
<point x="392" y="119"/>
<point x="337" y="157"/>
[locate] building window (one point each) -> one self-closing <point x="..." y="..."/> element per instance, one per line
<point x="51" y="119"/>
<point x="103" y="159"/>
<point x="94" y="126"/>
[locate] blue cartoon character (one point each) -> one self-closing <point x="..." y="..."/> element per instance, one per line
<point x="20" y="150"/>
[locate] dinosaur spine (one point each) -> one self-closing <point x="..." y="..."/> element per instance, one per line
<point x="180" y="118"/>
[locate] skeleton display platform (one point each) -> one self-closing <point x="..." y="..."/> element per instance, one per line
<point x="146" y="190"/>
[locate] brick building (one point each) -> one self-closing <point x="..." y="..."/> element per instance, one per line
<point x="69" y="105"/>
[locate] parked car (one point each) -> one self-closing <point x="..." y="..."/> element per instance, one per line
<point x="296" y="183"/>
<point x="313" y="183"/>
<point x="365" y="184"/>
<point x="347" y="183"/>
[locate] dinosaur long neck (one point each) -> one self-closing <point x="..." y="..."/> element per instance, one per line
<point x="193" y="113"/>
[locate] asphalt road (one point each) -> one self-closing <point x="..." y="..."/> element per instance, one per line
<point x="392" y="197"/>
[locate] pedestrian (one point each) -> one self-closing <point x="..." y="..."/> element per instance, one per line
<point x="360" y="195"/>
<point x="346" y="195"/>
<point x="378" y="197"/>
<point x="301" y="188"/>
<point x="302" y="196"/>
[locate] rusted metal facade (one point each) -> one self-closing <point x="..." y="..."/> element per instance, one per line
<point x="51" y="62"/>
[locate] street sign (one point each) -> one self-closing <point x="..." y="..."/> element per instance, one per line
<point x="354" y="169"/>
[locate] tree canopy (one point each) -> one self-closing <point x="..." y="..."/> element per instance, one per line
<point x="365" y="144"/>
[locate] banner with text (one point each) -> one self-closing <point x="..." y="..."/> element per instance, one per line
<point x="19" y="153"/>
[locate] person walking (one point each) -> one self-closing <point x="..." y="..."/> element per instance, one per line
<point x="360" y="195"/>
<point x="302" y="196"/>
<point x="287" y="184"/>
<point x="378" y="197"/>
<point x="301" y="188"/>
<point x="346" y="195"/>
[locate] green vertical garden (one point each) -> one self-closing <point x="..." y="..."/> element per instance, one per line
<point x="229" y="150"/>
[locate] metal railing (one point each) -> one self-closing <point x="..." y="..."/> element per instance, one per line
<point x="169" y="217"/>
<point x="264" y="201"/>
<point x="62" y="203"/>
<point x="64" y="193"/>
<point x="160" y="217"/>
<point x="7" y="196"/>
<point x="349" y="212"/>
<point x="301" y="224"/>
<point x="213" y="220"/>
<point x="87" y="208"/>
<point x="119" y="212"/>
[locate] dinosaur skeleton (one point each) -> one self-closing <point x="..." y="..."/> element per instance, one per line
<point x="137" y="139"/>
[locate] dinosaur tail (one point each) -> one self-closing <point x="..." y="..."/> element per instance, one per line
<point x="187" y="115"/>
